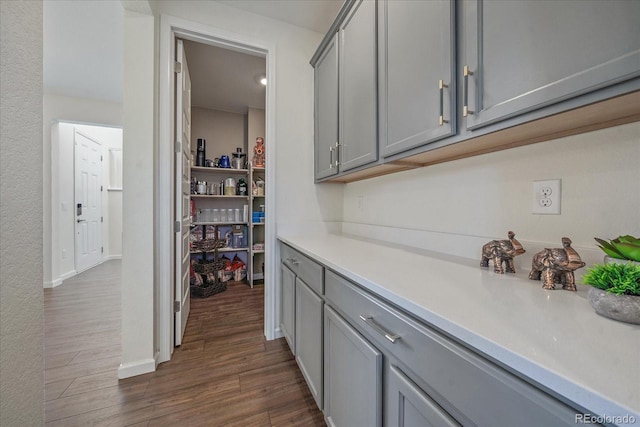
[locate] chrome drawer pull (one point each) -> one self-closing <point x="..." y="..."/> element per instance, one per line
<point x="441" y="87"/>
<point x="293" y="261"/>
<point x="388" y="335"/>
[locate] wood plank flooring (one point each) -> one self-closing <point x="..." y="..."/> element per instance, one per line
<point x="224" y="374"/>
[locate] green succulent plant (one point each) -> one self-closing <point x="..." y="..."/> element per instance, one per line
<point x="622" y="247"/>
<point x="616" y="278"/>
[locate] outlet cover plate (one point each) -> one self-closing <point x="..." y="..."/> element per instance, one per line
<point x="547" y="197"/>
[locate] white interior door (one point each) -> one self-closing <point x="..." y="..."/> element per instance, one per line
<point x="183" y="191"/>
<point x="88" y="201"/>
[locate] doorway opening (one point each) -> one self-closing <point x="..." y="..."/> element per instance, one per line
<point x="86" y="197"/>
<point x="172" y="157"/>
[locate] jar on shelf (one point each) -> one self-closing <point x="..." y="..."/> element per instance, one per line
<point x="229" y="187"/>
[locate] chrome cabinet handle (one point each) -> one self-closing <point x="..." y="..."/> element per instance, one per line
<point x="388" y="335"/>
<point x="441" y="86"/>
<point x="337" y="162"/>
<point x="331" y="157"/>
<point x="293" y="261"/>
<point x="81" y="220"/>
<point x="465" y="91"/>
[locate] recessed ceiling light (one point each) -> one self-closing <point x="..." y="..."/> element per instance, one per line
<point x="263" y="81"/>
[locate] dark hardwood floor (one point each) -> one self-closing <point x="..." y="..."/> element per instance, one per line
<point x="224" y="374"/>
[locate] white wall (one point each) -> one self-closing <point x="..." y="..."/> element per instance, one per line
<point x="58" y="108"/>
<point x="255" y="128"/>
<point x="298" y="200"/>
<point x="21" y="296"/>
<point x="223" y="131"/>
<point x="485" y="196"/>
<point x="138" y="198"/>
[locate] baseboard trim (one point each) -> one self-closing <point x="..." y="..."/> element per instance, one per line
<point x="68" y="275"/>
<point x="112" y="257"/>
<point x="136" y="368"/>
<point x="52" y="284"/>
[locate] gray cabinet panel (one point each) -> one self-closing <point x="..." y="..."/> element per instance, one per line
<point x="303" y="267"/>
<point x="326" y="111"/>
<point x="287" y="307"/>
<point x="409" y="406"/>
<point x="528" y="54"/>
<point x="309" y="338"/>
<point x="352" y="376"/>
<point x="358" y="99"/>
<point x="416" y="42"/>
<point x="468" y="386"/>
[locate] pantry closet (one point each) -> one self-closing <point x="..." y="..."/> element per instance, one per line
<point x="223" y="209"/>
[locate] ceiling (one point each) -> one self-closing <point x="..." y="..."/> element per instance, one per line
<point x="83" y="51"/>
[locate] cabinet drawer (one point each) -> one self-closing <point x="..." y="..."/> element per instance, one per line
<point x="472" y="389"/>
<point x="309" y="271"/>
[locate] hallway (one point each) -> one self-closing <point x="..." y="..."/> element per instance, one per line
<point x="225" y="373"/>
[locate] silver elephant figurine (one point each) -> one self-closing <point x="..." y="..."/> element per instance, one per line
<point x="502" y="251"/>
<point x="556" y="266"/>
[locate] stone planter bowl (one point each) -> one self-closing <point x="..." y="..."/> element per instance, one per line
<point x="624" y="308"/>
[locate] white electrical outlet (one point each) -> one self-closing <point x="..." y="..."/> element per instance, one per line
<point x="547" y="197"/>
<point x="361" y="202"/>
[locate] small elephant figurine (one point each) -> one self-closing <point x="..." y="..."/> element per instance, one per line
<point x="557" y="266"/>
<point x="502" y="251"/>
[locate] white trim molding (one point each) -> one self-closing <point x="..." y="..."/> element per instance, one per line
<point x="170" y="29"/>
<point x="138" y="368"/>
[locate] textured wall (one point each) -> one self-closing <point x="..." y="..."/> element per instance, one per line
<point x="21" y="311"/>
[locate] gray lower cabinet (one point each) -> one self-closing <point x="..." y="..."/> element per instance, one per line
<point x="352" y="376"/>
<point x="528" y="54"/>
<point x="308" y="321"/>
<point x="408" y="406"/>
<point x="470" y="388"/>
<point x="416" y="45"/>
<point x="359" y="354"/>
<point x="288" y="305"/>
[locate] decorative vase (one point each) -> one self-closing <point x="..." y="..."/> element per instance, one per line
<point x="624" y="308"/>
<point x="611" y="260"/>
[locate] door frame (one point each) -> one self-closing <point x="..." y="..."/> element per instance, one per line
<point x="165" y="193"/>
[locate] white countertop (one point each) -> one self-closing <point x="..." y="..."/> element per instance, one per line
<point x="553" y="338"/>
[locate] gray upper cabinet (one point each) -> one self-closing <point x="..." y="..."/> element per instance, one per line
<point x="416" y="44"/>
<point x="358" y="82"/>
<point x="525" y="55"/>
<point x="326" y="111"/>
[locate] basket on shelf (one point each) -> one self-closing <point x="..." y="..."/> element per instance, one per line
<point x="208" y="245"/>
<point x="208" y="289"/>
<point x="209" y="266"/>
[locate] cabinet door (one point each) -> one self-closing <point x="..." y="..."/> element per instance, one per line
<point x="528" y="54"/>
<point x="326" y="111"/>
<point x="352" y="376"/>
<point x="409" y="406"/>
<point x="287" y="307"/>
<point x="416" y="80"/>
<point x="309" y="338"/>
<point x="358" y="112"/>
